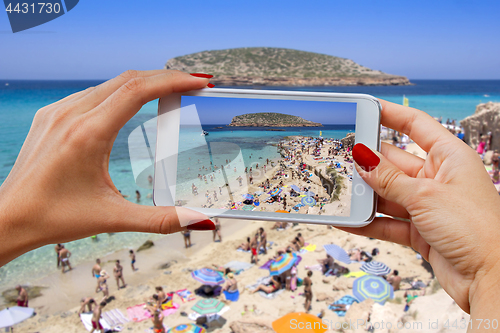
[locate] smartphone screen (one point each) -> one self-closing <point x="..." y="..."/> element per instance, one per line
<point x="266" y="155"/>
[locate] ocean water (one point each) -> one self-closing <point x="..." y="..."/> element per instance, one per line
<point x="19" y="101"/>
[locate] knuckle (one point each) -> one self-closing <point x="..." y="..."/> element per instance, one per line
<point x="134" y="85"/>
<point x="129" y="74"/>
<point x="388" y="179"/>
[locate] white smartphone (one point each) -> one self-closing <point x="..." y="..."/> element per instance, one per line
<point x="268" y="155"/>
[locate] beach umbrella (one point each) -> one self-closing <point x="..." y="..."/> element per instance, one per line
<point x="187" y="328"/>
<point x="304" y="322"/>
<point x="208" y="306"/>
<point x="282" y="211"/>
<point x="308" y="201"/>
<point x="295" y="188"/>
<point x="248" y="196"/>
<point x="275" y="192"/>
<point x="373" y="287"/>
<point x="14" y="315"/>
<point x="375" y="268"/>
<point x="207" y="276"/>
<point x="309" y="194"/>
<point x="338" y="253"/>
<point x="259" y="193"/>
<point x="248" y="207"/>
<point x="283" y="263"/>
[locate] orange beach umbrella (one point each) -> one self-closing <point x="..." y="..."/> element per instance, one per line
<point x="299" y="322"/>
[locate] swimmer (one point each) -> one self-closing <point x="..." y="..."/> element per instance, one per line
<point x="65" y="254"/>
<point x="132" y="260"/>
<point x="96" y="272"/>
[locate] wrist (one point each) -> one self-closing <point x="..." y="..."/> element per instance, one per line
<point x="484" y="292"/>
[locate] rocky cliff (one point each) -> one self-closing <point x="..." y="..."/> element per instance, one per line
<point x="485" y="119"/>
<point x="271" y="119"/>
<point x="349" y="140"/>
<point x="266" y="66"/>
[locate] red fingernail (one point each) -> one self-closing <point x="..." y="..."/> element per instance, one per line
<point x="205" y="76"/>
<point x="365" y="157"/>
<point x="202" y="225"/>
<point x="210" y="85"/>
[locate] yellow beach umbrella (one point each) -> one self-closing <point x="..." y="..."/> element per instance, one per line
<point x="299" y="322"/>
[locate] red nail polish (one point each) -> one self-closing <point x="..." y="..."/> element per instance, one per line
<point x="210" y="85"/>
<point x="202" y="225"/>
<point x="365" y="157"/>
<point x="205" y="76"/>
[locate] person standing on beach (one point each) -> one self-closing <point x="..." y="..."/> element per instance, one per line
<point x="394" y="279"/>
<point x="263" y="239"/>
<point x="103" y="284"/>
<point x="96" y="317"/>
<point x="64" y="254"/>
<point x="217" y="231"/>
<point x="58" y="248"/>
<point x="254" y="246"/>
<point x="308" y="291"/>
<point x="132" y="260"/>
<point x="158" y="322"/>
<point x="22" y="296"/>
<point x="96" y="272"/>
<point x="187" y="238"/>
<point x="118" y="273"/>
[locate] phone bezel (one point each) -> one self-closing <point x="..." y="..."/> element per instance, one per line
<point x="363" y="198"/>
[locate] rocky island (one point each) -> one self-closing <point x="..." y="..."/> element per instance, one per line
<point x="271" y="119"/>
<point x="269" y="66"/>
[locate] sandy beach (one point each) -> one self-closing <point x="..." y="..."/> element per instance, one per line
<point x="62" y="316"/>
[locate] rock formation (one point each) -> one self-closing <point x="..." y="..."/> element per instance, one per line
<point x="485" y="119"/>
<point x="271" y="119"/>
<point x="349" y="140"/>
<point x="268" y="66"/>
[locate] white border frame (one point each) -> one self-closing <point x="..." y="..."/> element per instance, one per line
<point x="363" y="206"/>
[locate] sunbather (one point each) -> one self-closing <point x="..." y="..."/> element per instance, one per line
<point x="274" y="286"/>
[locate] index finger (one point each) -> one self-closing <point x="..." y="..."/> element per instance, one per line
<point x="418" y="125"/>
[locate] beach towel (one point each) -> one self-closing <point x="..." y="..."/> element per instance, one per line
<point x="168" y="303"/>
<point x="185" y="295"/>
<point x="356" y="274"/>
<point x="238" y="265"/>
<point x="241" y="250"/>
<point x="347" y="299"/>
<point x="137" y="313"/>
<point x="271" y="295"/>
<point x="308" y="248"/>
<point x="115" y="317"/>
<point x="86" y="319"/>
<point x="317" y="267"/>
<point x="232" y="296"/>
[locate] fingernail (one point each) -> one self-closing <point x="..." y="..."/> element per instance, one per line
<point x="365" y="157"/>
<point x="210" y="85"/>
<point x="205" y="76"/>
<point x="202" y="225"/>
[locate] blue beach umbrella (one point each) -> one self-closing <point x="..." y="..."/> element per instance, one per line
<point x="308" y="201"/>
<point x="295" y="188"/>
<point x="375" y="268"/>
<point x="309" y="194"/>
<point x="248" y="196"/>
<point x="207" y="276"/>
<point x="373" y="287"/>
<point x="337" y="253"/>
<point x="187" y="328"/>
<point x="282" y="264"/>
<point x="275" y="192"/>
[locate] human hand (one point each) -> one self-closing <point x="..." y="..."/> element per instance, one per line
<point x="59" y="188"/>
<point x="452" y="205"/>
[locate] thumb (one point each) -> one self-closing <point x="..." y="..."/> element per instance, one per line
<point x="163" y="220"/>
<point x="382" y="176"/>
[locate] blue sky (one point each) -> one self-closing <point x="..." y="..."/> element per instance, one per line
<point x="220" y="111"/>
<point x="98" y="39"/>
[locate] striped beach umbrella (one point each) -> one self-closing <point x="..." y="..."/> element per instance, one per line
<point x="338" y="253"/>
<point x="248" y="207"/>
<point x="375" y="268"/>
<point x="248" y="196"/>
<point x="187" y="328"/>
<point x="208" y="306"/>
<point x="283" y="263"/>
<point x="308" y="201"/>
<point x="275" y="192"/>
<point x="207" y="276"/>
<point x="373" y="287"/>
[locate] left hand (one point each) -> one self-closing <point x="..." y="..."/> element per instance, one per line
<point x="59" y="188"/>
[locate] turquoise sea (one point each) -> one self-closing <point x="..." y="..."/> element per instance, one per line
<point x="19" y="101"/>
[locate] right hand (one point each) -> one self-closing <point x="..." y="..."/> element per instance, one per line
<point x="449" y="198"/>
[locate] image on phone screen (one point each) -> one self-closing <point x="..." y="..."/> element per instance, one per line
<point x="266" y="155"/>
